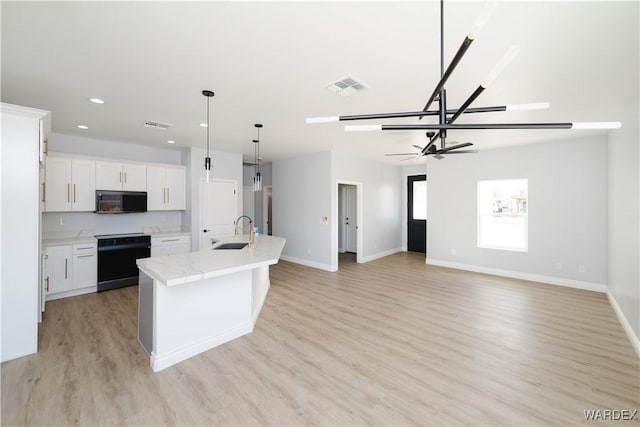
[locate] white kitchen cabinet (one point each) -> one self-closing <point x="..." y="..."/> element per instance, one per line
<point x="58" y="269"/>
<point x="117" y="176"/>
<point x="166" y="188"/>
<point x="170" y="245"/>
<point x="69" y="184"/>
<point x="85" y="266"/>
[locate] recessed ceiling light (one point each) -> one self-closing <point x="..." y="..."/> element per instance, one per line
<point x="171" y="141"/>
<point x="83" y="127"/>
<point x="96" y="100"/>
<point x="204" y="125"/>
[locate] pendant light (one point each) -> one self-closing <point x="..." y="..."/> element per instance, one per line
<point x="257" y="179"/>
<point x="207" y="160"/>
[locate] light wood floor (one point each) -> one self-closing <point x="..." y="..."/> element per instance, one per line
<point x="390" y="342"/>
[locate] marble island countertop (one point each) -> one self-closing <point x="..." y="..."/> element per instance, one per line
<point x="195" y="266"/>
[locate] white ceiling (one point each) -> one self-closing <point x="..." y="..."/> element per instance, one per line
<point x="268" y="62"/>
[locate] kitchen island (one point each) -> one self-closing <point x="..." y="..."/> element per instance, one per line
<point x="189" y="303"/>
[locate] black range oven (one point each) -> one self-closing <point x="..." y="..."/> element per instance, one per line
<point x="117" y="255"/>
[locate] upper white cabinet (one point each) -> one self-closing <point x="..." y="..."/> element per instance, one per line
<point x="166" y="187"/>
<point x="69" y="184"/>
<point x="121" y="176"/>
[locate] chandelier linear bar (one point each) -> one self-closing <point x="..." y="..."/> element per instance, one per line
<point x="477" y="126"/>
<point x="207" y="160"/>
<point x="447" y="117"/>
<point x="514" y="107"/>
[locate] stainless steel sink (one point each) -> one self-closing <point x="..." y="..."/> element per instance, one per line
<point x="231" y="246"/>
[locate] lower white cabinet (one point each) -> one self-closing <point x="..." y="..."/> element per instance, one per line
<point x="170" y="245"/>
<point x="58" y="269"/>
<point x="85" y="266"/>
<point x="70" y="270"/>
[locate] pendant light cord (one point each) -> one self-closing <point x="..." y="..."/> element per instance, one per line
<point x="208" y="101"/>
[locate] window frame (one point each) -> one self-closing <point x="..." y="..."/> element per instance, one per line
<point x="524" y="215"/>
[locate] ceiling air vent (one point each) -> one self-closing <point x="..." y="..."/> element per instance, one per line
<point x="346" y="86"/>
<point x="157" y="125"/>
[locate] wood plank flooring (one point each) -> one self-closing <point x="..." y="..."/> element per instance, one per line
<point x="390" y="342"/>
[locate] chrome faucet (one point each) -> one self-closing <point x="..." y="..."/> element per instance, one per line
<point x="251" y="231"/>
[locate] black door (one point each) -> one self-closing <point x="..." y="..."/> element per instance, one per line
<point x="417" y="213"/>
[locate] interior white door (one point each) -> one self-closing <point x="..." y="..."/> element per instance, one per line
<point x="218" y="210"/>
<point x="350" y="218"/>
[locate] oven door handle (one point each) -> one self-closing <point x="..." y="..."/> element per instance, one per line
<point x="124" y="247"/>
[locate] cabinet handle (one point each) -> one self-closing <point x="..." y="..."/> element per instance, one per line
<point x="164" y="195"/>
<point x="74" y="193"/>
<point x="44" y="192"/>
<point x="168" y="196"/>
<point x="120" y="177"/>
<point x="86" y="247"/>
<point x="68" y="193"/>
<point x="66" y="267"/>
<point x="125" y="177"/>
<point x="47" y="280"/>
<point x="170" y="240"/>
<point x="84" y="256"/>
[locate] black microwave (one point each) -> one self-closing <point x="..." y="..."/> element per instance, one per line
<point x="120" y="201"/>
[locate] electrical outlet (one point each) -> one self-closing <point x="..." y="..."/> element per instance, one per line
<point x="309" y="251"/>
<point x="61" y="221"/>
<point x="581" y="268"/>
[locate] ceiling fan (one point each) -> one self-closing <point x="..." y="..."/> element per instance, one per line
<point x="437" y="153"/>
<point x="447" y="117"/>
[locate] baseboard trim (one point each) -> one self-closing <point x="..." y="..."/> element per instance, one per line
<point x="559" y="281"/>
<point x="308" y="263"/>
<point x="72" y="293"/>
<point x="635" y="342"/>
<point x="159" y="363"/>
<point x="380" y="255"/>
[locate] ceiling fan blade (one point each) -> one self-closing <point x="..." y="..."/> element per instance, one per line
<point x="408" y="158"/>
<point x="402" y="154"/>
<point x="455" y="147"/>
<point x="461" y="152"/>
<point x="417" y="146"/>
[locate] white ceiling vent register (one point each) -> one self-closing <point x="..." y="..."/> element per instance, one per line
<point x="157" y="125"/>
<point x="348" y="85"/>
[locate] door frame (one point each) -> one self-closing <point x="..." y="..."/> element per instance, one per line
<point x="405" y="205"/>
<point x="336" y="225"/>
<point x="265" y="211"/>
<point x="418" y="178"/>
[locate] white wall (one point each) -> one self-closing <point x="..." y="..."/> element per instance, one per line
<point x="301" y="198"/>
<point x="381" y="225"/>
<point x="61" y="223"/>
<point x="567" y="210"/>
<point x="224" y="166"/>
<point x="114" y="149"/>
<point x="623" y="183"/>
<point x="408" y="171"/>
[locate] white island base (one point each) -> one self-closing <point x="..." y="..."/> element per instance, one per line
<point x="190" y="303"/>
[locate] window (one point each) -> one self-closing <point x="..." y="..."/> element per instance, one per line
<point x="502" y="214"/>
<point x="419" y="200"/>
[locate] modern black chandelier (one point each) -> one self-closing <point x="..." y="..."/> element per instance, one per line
<point x="447" y="117"/>
<point x="207" y="160"/>
<point x="257" y="179"/>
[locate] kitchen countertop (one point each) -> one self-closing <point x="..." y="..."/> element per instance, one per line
<point x="166" y="231"/>
<point x="69" y="240"/>
<point x="190" y="267"/>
